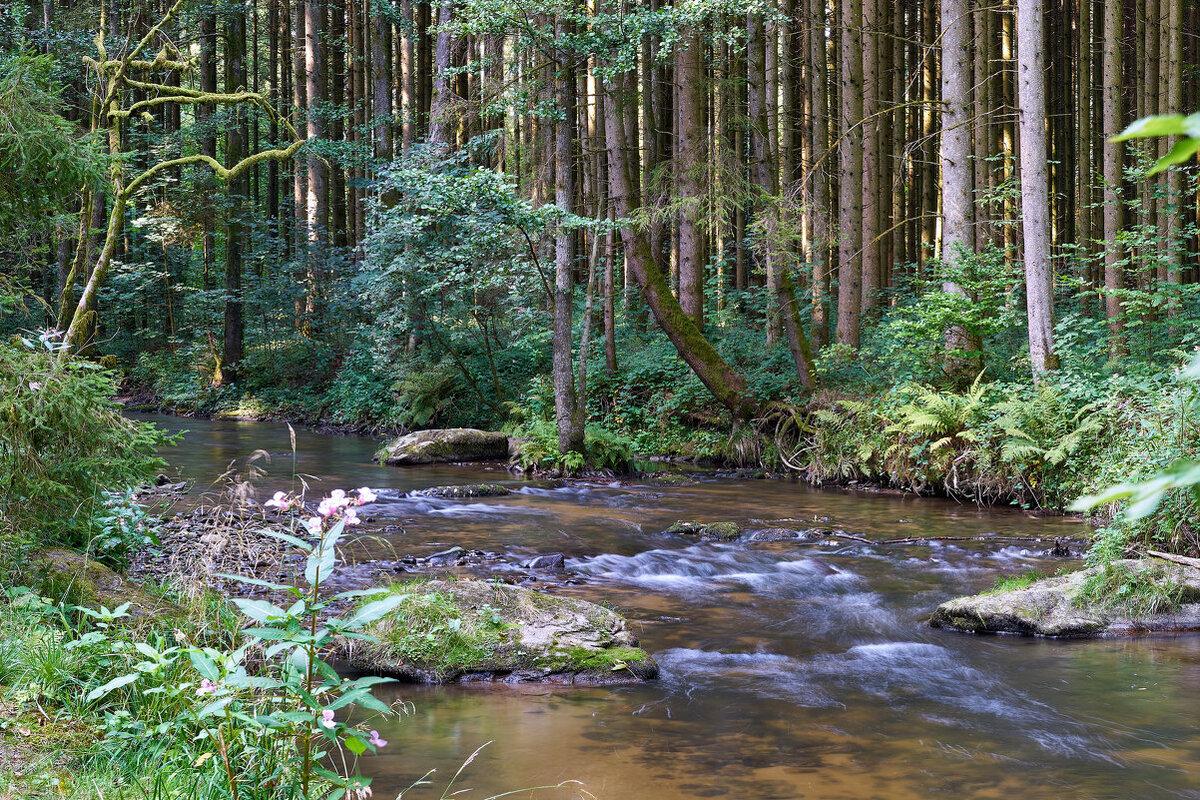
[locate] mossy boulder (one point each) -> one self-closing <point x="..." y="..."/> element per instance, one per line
<point x="466" y="631"/>
<point x="707" y="531"/>
<point x="445" y="445"/>
<point x="1158" y="596"/>
<point x="69" y="577"/>
<point x="465" y="490"/>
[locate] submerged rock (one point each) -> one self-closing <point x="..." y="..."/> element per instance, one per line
<point x="465" y="490"/>
<point x="73" y="578"/>
<point x="1059" y="606"/>
<point x="668" y="479"/>
<point x="550" y="561"/>
<point x="708" y="531"/>
<point x="445" y="444"/>
<point x="786" y="535"/>
<point x="448" y="631"/>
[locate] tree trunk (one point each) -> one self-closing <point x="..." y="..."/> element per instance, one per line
<point x="381" y="88"/>
<point x="850" y="181"/>
<point x="957" y="172"/>
<point x="1114" y="210"/>
<point x="443" y="111"/>
<point x="568" y="409"/>
<point x="818" y="170"/>
<point x="235" y="151"/>
<point x="1035" y="186"/>
<point x="726" y="385"/>
<point x="690" y="160"/>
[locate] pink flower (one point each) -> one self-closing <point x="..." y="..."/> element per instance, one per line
<point x="314" y="525"/>
<point x="365" y="495"/>
<point x="49" y="335"/>
<point x="327" y="720"/>
<point x="352" y="517"/>
<point x="206" y="687"/>
<point x="375" y="740"/>
<point x="280" y="501"/>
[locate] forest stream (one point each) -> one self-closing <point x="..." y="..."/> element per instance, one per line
<point x="789" y="669"/>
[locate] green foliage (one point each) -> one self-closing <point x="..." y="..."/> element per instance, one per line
<point x="63" y="443"/>
<point x="538" y="452"/>
<point x="263" y="716"/>
<point x="43" y="158"/>
<point x="1167" y="125"/>
<point x="122" y="528"/>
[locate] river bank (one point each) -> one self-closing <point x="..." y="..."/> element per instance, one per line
<point x="821" y="645"/>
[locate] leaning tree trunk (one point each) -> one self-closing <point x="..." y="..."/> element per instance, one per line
<point x="726" y="385"/>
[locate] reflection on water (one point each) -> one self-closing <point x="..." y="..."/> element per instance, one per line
<point x="789" y="670"/>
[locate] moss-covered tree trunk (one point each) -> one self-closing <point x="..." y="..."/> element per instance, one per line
<point x="725" y="383"/>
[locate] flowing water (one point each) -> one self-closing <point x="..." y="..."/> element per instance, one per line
<point x="789" y="669"/>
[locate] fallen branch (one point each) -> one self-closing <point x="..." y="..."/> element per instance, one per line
<point x="1184" y="560"/>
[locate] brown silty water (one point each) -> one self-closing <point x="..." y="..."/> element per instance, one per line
<point x="789" y="670"/>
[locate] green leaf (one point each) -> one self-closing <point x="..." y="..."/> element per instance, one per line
<point x="376" y="609"/>
<point x="216" y="706"/>
<point x="268" y="634"/>
<point x="1191" y="125"/>
<point x="355" y="745"/>
<point x="1192" y="371"/>
<point x="1181" y="152"/>
<point x="115" y="683"/>
<point x="324" y="556"/>
<point x="204" y="665"/>
<point x="253" y="581"/>
<point x="1158" y="125"/>
<point x="258" y="610"/>
<point x="287" y="537"/>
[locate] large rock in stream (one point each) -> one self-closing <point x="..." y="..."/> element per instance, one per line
<point x="445" y="445"/>
<point x="1168" y="594"/>
<point x="465" y="631"/>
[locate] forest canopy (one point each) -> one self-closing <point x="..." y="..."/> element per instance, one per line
<point x="790" y="233"/>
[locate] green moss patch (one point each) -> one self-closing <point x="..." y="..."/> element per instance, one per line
<point x="472" y="630"/>
<point x="709" y="531"/>
<point x="466" y="490"/>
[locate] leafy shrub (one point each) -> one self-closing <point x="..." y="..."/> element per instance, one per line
<point x="539" y="454"/>
<point x="63" y="443"/>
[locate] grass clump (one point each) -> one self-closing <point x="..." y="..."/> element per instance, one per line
<point x="1137" y="592"/>
<point x="1009" y="583"/>
<point x="434" y="630"/>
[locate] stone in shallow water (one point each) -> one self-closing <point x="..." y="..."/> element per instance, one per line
<point x="465" y="490"/>
<point x="709" y="531"/>
<point x="785" y="535"/>
<point x="445" y="445"/>
<point x="448" y="631"/>
<point x="550" y="561"/>
<point x="1055" y="606"/>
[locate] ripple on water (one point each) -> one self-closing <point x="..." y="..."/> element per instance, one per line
<point x="909" y="678"/>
